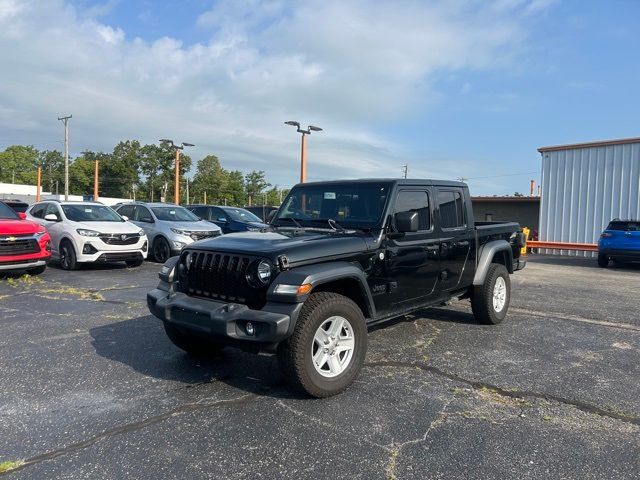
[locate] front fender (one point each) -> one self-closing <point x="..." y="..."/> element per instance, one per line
<point x="316" y="275"/>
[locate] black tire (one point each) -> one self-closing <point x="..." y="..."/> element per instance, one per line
<point x="161" y="250"/>
<point x="37" y="271"/>
<point x="192" y="343"/>
<point x="603" y="260"/>
<point x="295" y="354"/>
<point x="68" y="258"/>
<point x="134" y="263"/>
<point x="482" y="296"/>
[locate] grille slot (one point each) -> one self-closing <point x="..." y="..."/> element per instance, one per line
<point x="19" y="246"/>
<point x="218" y="276"/>
<point x="116" y="238"/>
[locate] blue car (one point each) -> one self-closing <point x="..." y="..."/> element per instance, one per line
<point x="619" y="242"/>
<point x="229" y="219"/>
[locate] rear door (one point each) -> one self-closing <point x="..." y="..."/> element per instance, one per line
<point x="455" y="236"/>
<point x="631" y="237"/>
<point x="56" y="229"/>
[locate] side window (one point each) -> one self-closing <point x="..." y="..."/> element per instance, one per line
<point x="142" y="214"/>
<point x="127" y="211"/>
<point x="415" y="201"/>
<point x="202" y="212"/>
<point x="52" y="208"/>
<point x="217" y="213"/>
<point x="451" y="209"/>
<point x="38" y="210"/>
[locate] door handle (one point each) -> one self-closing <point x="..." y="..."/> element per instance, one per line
<point x="432" y="248"/>
<point x="464" y="243"/>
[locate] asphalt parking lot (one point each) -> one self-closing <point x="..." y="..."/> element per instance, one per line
<point x="92" y="388"/>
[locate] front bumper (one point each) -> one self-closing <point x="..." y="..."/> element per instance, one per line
<point x="225" y="322"/>
<point x="519" y="263"/>
<point x="23" y="264"/>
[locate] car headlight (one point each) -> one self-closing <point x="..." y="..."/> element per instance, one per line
<point x="259" y="274"/>
<point x="40" y="233"/>
<point x="87" y="233"/>
<point x="141" y="233"/>
<point x="180" y="232"/>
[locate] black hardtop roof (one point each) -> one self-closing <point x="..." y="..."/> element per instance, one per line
<point x="396" y="181"/>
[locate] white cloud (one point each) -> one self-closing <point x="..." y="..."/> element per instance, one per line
<point x="351" y="67"/>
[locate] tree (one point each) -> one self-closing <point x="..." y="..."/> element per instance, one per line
<point x="119" y="171"/>
<point x="18" y="164"/>
<point x="275" y="195"/>
<point x="154" y="162"/>
<point x="52" y="163"/>
<point x="211" y="178"/>
<point x="81" y="172"/>
<point x="235" y="193"/>
<point x="255" y="183"/>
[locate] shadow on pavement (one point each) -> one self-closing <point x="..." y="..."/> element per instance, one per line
<point x="585" y="262"/>
<point x="142" y="344"/>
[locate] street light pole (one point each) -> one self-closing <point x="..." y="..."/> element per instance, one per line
<point x="178" y="149"/>
<point x="303" y="146"/>
<point x="65" y="120"/>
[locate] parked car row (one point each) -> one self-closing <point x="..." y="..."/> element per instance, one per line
<point x="90" y="232"/>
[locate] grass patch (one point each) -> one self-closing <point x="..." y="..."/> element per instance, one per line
<point x="10" y="465"/>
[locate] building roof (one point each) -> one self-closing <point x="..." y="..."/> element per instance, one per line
<point x="534" y="199"/>
<point x="601" y="143"/>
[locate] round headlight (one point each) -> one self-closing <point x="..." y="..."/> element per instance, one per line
<point x="260" y="274"/>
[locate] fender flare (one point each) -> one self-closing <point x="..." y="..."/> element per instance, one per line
<point x="320" y="274"/>
<point x="486" y="255"/>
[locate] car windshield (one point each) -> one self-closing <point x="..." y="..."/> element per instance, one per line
<point x="174" y="214"/>
<point x="7" y="213"/>
<point x="355" y="205"/>
<point x="625" y="226"/>
<point x="91" y="213"/>
<point x="241" y="215"/>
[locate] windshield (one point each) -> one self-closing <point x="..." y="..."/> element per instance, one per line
<point x="174" y="214"/>
<point x="241" y="215"/>
<point x="7" y="213"/>
<point x="90" y="213"/>
<point x="356" y="205"/>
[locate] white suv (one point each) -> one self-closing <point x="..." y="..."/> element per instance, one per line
<point x="89" y="232"/>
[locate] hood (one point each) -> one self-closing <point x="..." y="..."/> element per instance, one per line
<point x="18" y="227"/>
<point x="298" y="245"/>
<point x="255" y="224"/>
<point x="108" y="227"/>
<point x="199" y="226"/>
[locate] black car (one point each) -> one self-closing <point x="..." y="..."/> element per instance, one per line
<point x="262" y="211"/>
<point x="229" y="219"/>
<point x="337" y="258"/>
<point x="16" y="205"/>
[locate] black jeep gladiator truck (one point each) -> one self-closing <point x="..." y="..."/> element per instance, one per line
<point x="337" y="258"/>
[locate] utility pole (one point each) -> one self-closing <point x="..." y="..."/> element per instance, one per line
<point x="303" y="146"/>
<point x="65" y="120"/>
<point x="178" y="149"/>
<point x="188" y="192"/>
<point x="405" y="169"/>
<point x="95" y="183"/>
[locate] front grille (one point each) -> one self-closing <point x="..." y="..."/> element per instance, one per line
<point x="119" y="238"/>
<point x="17" y="245"/>
<point x="119" y="256"/>
<point x="218" y="276"/>
<point x="202" y="235"/>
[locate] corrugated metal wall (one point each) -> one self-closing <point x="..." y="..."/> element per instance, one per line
<point x="584" y="188"/>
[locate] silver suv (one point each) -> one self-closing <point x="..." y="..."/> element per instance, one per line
<point x="168" y="227"/>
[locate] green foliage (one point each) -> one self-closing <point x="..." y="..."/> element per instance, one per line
<point x="255" y="183"/>
<point x="18" y="164"/>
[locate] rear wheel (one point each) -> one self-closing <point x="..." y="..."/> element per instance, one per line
<point x="190" y="342"/>
<point x="603" y="260"/>
<point x="68" y="259"/>
<point x="161" y="250"/>
<point x="490" y="301"/>
<point x="328" y="346"/>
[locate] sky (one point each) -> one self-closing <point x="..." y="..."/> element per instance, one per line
<point x="453" y="89"/>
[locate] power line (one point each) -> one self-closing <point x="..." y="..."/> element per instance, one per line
<point x="506" y="175"/>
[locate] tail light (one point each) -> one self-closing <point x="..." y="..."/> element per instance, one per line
<point x="606" y="235"/>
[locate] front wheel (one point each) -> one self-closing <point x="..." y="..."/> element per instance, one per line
<point x="327" y="348"/>
<point x="161" y="250"/>
<point x="490" y="301"/>
<point x="68" y="259"/>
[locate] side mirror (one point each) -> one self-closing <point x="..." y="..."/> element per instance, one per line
<point x="51" y="217"/>
<point x="125" y="218"/>
<point x="271" y="215"/>
<point x="406" y="222"/>
<point x="146" y="220"/>
<point x="22" y="215"/>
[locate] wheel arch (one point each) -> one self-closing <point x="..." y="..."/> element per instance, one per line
<point x="497" y="251"/>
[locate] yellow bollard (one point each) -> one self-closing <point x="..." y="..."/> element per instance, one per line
<point x="523" y="250"/>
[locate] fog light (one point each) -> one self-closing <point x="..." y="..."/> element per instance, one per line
<point x="250" y="328"/>
<point x="144" y="247"/>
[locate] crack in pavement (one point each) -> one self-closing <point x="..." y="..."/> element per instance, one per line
<point x="519" y="394"/>
<point x="133" y="426"/>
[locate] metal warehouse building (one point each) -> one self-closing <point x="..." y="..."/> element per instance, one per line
<point x="586" y="185"/>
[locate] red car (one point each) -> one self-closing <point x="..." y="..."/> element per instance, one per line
<point x="24" y="245"/>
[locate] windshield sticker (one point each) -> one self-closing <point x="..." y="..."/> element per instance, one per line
<point x="172" y="212"/>
<point x="87" y="210"/>
<point x="329" y="195"/>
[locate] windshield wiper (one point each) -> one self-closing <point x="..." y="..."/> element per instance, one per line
<point x="335" y="225"/>
<point x="293" y="220"/>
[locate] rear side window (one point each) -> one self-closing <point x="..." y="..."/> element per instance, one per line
<point x="415" y="201"/>
<point x="624" y="226"/>
<point x="451" y="209"/>
<point x="202" y="212"/>
<point x="127" y="211"/>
